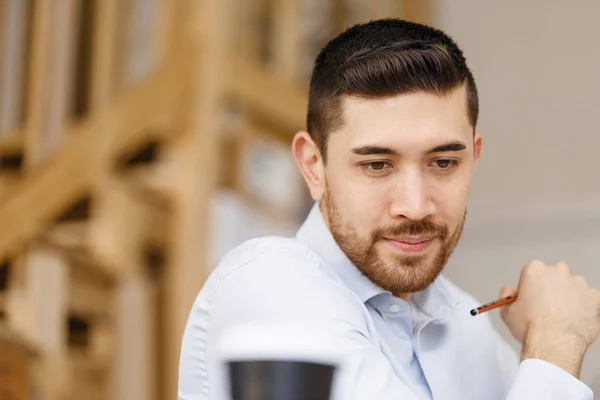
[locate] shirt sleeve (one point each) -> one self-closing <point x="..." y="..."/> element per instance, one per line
<point x="535" y="379"/>
<point x="541" y="380"/>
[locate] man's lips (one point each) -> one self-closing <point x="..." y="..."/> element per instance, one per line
<point x="411" y="244"/>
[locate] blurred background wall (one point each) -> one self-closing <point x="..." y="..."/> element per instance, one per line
<point x="140" y="140"/>
<point x="537" y="190"/>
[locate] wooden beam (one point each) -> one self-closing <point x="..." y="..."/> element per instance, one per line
<point x="139" y="39"/>
<point x="88" y="376"/>
<point x="7" y="182"/>
<point x="104" y="53"/>
<point x="278" y="101"/>
<point x="91" y="292"/>
<point x="121" y="34"/>
<point x="14" y="46"/>
<point x="4" y="16"/>
<point x="58" y="89"/>
<point x="195" y="151"/>
<point x="168" y="14"/>
<point x="38" y="198"/>
<point x="12" y="144"/>
<point x="247" y="39"/>
<point x="102" y="338"/>
<point x="154" y="181"/>
<point x="118" y="208"/>
<point x="286" y="37"/>
<point x="68" y="235"/>
<point x="135" y="370"/>
<point x="48" y="291"/>
<point x="17" y="360"/>
<point x="17" y="304"/>
<point x="38" y="72"/>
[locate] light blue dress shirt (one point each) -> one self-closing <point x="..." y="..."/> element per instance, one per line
<point x="428" y="348"/>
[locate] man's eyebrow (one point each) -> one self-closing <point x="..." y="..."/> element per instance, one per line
<point x="450" y="146"/>
<point x="371" y="150"/>
<point x="378" y="150"/>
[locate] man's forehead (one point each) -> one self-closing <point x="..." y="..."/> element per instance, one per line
<point x="416" y="121"/>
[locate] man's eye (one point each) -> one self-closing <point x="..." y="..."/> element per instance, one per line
<point x="377" y="165"/>
<point x="377" y="168"/>
<point x="445" y="164"/>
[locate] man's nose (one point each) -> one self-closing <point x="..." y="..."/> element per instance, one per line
<point x="412" y="198"/>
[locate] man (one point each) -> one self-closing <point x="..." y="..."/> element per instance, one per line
<point x="388" y="156"/>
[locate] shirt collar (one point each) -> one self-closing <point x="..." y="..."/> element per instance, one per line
<point x="437" y="301"/>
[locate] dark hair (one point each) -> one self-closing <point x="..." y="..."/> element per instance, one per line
<point x="380" y="59"/>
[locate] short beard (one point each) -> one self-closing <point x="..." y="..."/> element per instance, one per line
<point x="406" y="274"/>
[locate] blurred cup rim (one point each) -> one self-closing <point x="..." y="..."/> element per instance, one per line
<point x="277" y="342"/>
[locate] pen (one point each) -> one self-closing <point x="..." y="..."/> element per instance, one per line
<point x="494" y="304"/>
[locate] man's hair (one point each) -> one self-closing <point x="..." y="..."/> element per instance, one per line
<point x="380" y="59"/>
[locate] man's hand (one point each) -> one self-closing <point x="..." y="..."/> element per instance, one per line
<point x="556" y="316"/>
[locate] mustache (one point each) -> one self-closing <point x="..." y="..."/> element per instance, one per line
<point x="413" y="228"/>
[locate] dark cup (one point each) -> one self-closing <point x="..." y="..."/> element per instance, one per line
<point x="280" y="380"/>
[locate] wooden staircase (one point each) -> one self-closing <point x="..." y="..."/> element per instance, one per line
<point x="107" y="171"/>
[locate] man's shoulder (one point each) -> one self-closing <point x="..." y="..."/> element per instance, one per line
<point x="269" y="264"/>
<point x="265" y="254"/>
<point x="268" y="247"/>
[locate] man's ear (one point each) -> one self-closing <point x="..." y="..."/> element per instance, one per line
<point x="477" y="147"/>
<point x="309" y="161"/>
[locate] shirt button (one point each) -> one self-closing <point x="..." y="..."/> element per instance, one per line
<point x="395" y="308"/>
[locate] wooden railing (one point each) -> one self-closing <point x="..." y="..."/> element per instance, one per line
<point x="109" y="164"/>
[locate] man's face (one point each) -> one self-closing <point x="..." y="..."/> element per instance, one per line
<point x="394" y="188"/>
